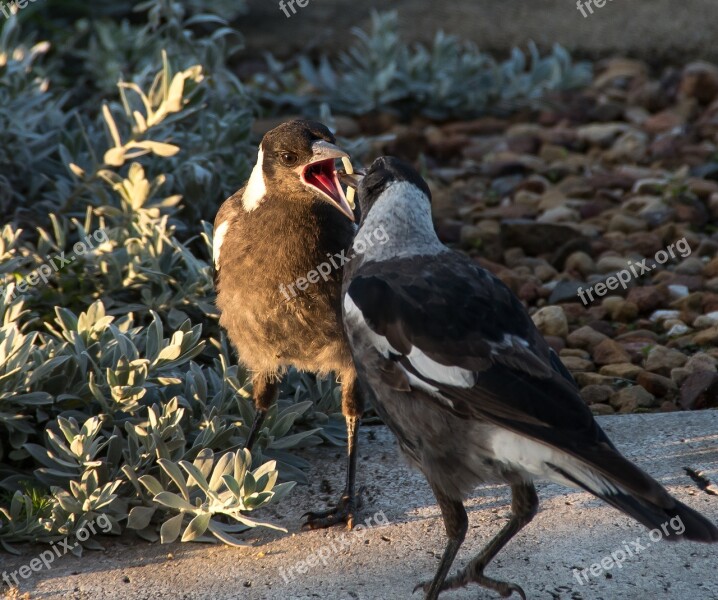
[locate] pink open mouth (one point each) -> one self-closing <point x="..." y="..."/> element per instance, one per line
<point x="322" y="176"/>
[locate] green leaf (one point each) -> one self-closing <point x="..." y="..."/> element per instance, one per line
<point x="140" y="517"/>
<point x="196" y="527"/>
<point x="170" y="529"/>
<point x="174" y="501"/>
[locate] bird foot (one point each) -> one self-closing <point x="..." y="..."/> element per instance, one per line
<point x="466" y="576"/>
<point x="344" y="512"/>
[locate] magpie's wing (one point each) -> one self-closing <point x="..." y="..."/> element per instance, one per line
<point x="457" y="333"/>
<point x="453" y="326"/>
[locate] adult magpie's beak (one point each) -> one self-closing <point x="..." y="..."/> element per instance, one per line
<point x="321" y="175"/>
<point x="351" y="179"/>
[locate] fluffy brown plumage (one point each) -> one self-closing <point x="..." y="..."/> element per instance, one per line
<point x="289" y="217"/>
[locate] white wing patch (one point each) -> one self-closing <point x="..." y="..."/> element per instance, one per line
<point x="435" y="371"/>
<point x="427" y="367"/>
<point x="524" y="454"/>
<point x="354" y="316"/>
<point x="217" y="242"/>
<point x="256" y="188"/>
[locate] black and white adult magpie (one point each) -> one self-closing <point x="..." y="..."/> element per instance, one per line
<point x="454" y="365"/>
<point x="269" y="237"/>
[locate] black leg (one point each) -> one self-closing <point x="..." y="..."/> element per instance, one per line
<point x="350" y="502"/>
<point x="456" y="523"/>
<point x="524" y="504"/>
<point x="266" y="389"/>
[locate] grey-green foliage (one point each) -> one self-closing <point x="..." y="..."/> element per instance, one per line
<point x="52" y="96"/>
<point x="450" y="78"/>
<point x="117" y="391"/>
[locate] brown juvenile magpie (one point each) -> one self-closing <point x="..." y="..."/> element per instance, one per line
<point x="455" y="367"/>
<point x="270" y="236"/>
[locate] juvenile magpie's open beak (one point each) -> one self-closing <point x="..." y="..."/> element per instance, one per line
<point x="321" y="175"/>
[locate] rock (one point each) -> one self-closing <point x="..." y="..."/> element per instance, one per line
<point x="624" y="311"/>
<point x="690" y="266"/>
<point x="626" y="224"/>
<point x="661" y="360"/>
<point x="585" y="337"/>
<point x="621" y="370"/>
<point x="703" y="188"/>
<point x="648" y="298"/>
<point x="580" y="262"/>
<point x="609" y="352"/>
<point x="565" y="291"/>
<point x="611" y="264"/>
<point x="663" y="121"/>
<point x="545" y="272"/>
<point x="536" y="238"/>
<point x="678" y="329"/>
<point x="707" y="336"/>
<point x="700" y="390"/>
<point x="699" y="80"/>
<point x="710" y="270"/>
<point x="596" y="394"/>
<point x="664" y="315"/>
<point x="602" y="409"/>
<point x="631" y="399"/>
<point x="705" y="321"/>
<point x="555" y="342"/>
<point x="676" y="292"/>
<point x="631" y="146"/>
<point x="620" y="70"/>
<point x="656" y="384"/>
<point x="701" y="362"/>
<point x="529" y="292"/>
<point x="574" y="352"/>
<point x="601" y="134"/>
<point x="679" y="375"/>
<point x="551" y="320"/>
<point x="585" y="378"/>
<point x="559" y="214"/>
<point x="575" y="364"/>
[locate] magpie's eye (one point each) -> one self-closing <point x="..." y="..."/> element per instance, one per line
<point x="289" y="159"/>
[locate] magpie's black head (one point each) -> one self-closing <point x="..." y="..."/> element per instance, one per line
<point x="384" y="172"/>
<point x="297" y="162"/>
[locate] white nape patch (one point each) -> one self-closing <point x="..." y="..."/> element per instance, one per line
<point x="217" y="242"/>
<point x="404" y="212"/>
<point x="354" y="317"/>
<point x="435" y="371"/>
<point x="524" y="454"/>
<point x="256" y="188"/>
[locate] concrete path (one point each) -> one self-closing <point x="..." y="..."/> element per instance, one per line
<point x="572" y="530"/>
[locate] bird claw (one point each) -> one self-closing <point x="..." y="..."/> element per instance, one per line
<point x="424" y="585"/>
<point x="343" y="512"/>
<point x="504" y="588"/>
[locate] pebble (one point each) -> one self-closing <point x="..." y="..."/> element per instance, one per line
<point x="551" y="320"/>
